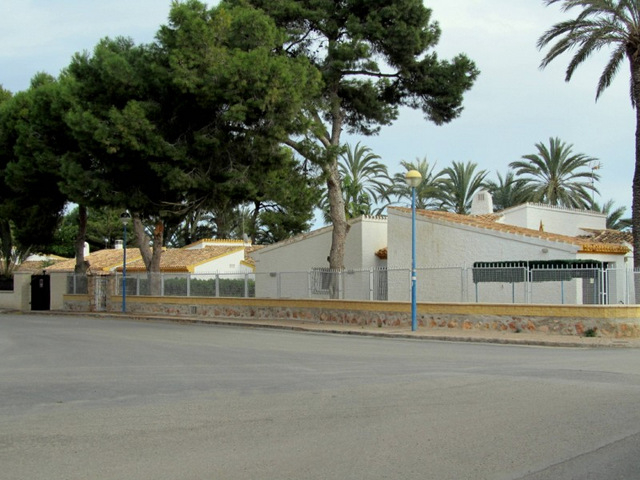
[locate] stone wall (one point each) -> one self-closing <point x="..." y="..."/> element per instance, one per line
<point x="604" y="320"/>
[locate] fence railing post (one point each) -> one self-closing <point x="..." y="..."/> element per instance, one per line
<point x="373" y="289"/>
<point x="278" y="285"/>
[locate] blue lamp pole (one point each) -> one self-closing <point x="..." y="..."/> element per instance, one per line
<point x="124" y="218"/>
<point x="413" y="179"/>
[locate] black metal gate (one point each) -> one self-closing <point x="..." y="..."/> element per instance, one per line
<point x="40" y="292"/>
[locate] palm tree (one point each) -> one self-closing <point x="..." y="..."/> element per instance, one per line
<point x="365" y="182"/>
<point x="615" y="221"/>
<point x="509" y="191"/>
<point x="603" y="23"/>
<point x="555" y="175"/>
<point x="459" y="183"/>
<point x="428" y="193"/>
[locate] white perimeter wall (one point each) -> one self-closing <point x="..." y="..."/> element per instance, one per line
<point x="20" y="297"/>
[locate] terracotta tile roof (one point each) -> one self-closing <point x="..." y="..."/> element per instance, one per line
<point x="585" y="244"/>
<point x="608" y="236"/>
<point x="172" y="260"/>
<point x="101" y="261"/>
<point x="37" y="266"/>
<point x="185" y="260"/>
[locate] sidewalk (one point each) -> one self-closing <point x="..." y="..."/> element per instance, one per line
<point x="440" y="334"/>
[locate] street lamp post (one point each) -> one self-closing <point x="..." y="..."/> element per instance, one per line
<point x="125" y="218"/>
<point x="413" y="179"/>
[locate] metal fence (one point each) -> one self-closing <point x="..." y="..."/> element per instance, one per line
<point x="187" y="285"/>
<point x="578" y="286"/>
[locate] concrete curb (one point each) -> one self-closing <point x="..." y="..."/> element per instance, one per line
<point x="522" y="339"/>
<point x="428" y="335"/>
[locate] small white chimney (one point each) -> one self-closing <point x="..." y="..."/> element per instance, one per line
<point x="482" y="203"/>
<point x="86" y="249"/>
<point x="118" y="245"/>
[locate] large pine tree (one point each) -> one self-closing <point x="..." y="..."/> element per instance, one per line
<point x="375" y="57"/>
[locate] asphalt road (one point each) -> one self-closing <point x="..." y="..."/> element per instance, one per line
<point x="88" y="398"/>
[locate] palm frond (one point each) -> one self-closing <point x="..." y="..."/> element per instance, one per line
<point x="557" y="176"/>
<point x="599" y="24"/>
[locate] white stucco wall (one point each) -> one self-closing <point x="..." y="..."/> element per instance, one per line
<point x="216" y="242"/>
<point x="367" y="236"/>
<point x="58" y="289"/>
<point x="20" y="297"/>
<point x="564" y="221"/>
<point x="293" y="258"/>
<point x="442" y="244"/>
<point x="229" y="263"/>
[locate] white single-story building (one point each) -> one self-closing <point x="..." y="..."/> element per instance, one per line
<point x="529" y="253"/>
<point x="207" y="268"/>
<point x="202" y="257"/>
<point x="299" y="267"/>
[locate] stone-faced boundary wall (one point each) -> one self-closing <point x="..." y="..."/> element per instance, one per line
<point x="604" y="320"/>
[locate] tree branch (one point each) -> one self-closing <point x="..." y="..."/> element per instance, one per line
<point x="370" y="74"/>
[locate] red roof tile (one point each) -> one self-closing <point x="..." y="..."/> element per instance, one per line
<point x="586" y="244"/>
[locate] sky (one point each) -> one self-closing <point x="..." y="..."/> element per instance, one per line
<point x="513" y="105"/>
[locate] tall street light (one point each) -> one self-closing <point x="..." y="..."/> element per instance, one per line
<point x="413" y="179"/>
<point x="125" y="218"/>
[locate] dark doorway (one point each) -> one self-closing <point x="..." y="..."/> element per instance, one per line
<point x="40" y="292"/>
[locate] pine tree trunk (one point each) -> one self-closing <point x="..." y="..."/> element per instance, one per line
<point x="336" y="200"/>
<point x="340" y="228"/>
<point x="254" y="221"/>
<point x="81" y="264"/>
<point x="6" y="248"/>
<point x="338" y="217"/>
<point x="151" y="254"/>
